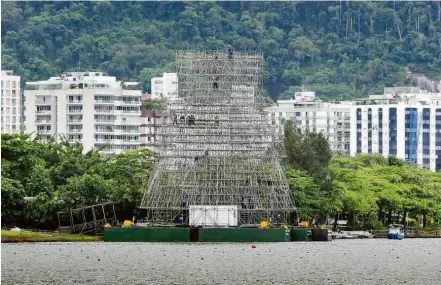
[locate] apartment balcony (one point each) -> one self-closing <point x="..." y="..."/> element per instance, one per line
<point x="105" y="121"/>
<point x="75" y="141"/>
<point x="117" y="142"/>
<point x="43" y="122"/>
<point x="103" y="111"/>
<point x="131" y="103"/>
<point x="103" y="141"/>
<point x="137" y="133"/>
<point x="75" y="102"/>
<point x="44" y="132"/>
<point x="127" y="123"/>
<point x="77" y="92"/>
<point x="104" y="102"/>
<point x="74" y="121"/>
<point x="134" y="112"/>
<point x="75" y="131"/>
<point x="43" y="103"/>
<point x="131" y="142"/>
<point x="43" y="112"/>
<point x="74" y="112"/>
<point x="104" y="131"/>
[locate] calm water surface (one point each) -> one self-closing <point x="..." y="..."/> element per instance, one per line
<point x="411" y="261"/>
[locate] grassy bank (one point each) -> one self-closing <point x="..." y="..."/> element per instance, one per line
<point x="12" y="236"/>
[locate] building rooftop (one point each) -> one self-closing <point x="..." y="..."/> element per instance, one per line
<point x="80" y="80"/>
<point x="392" y="95"/>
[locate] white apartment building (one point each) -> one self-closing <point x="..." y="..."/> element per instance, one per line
<point x="10" y="103"/>
<point x="404" y="121"/>
<point x="316" y="116"/>
<point x="165" y="86"/>
<point x="85" y="107"/>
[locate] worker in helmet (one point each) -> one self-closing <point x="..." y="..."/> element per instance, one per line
<point x="230" y="52"/>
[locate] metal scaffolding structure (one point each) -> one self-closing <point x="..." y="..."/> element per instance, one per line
<point x="217" y="147"/>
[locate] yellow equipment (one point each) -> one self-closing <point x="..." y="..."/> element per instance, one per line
<point x="107" y="225"/>
<point x="127" y="224"/>
<point x="264" y="224"/>
<point x="304" y="224"/>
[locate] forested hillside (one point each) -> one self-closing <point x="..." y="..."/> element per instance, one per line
<point x="338" y="49"/>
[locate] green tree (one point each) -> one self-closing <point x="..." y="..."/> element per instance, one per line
<point x="12" y="202"/>
<point x="307" y="151"/>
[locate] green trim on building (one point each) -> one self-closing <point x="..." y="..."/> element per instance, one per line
<point x="243" y="235"/>
<point x="147" y="234"/>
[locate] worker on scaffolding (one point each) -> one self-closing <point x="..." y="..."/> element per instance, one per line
<point x="230" y="52"/>
<point x="215" y="84"/>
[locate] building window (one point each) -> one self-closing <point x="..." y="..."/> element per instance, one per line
<point x="359" y="130"/>
<point x="369" y="130"/>
<point x="393" y="131"/>
<point x="410" y="134"/>
<point x="438" y="139"/>
<point x="380" y="130"/>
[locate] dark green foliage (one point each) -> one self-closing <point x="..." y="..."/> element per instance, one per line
<point x="12" y="201"/>
<point x="154" y="104"/>
<point x="377" y="190"/>
<point x="338" y="49"/>
<point x="306" y="151"/>
<point x="59" y="176"/>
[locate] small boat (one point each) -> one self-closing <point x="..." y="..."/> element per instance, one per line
<point x="395" y="231"/>
<point x="345" y="235"/>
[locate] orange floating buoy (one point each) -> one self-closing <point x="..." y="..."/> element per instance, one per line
<point x="253" y="246"/>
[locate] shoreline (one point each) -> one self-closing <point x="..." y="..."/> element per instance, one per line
<point x="21" y="237"/>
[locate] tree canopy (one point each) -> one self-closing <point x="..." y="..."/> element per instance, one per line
<point x="379" y="190"/>
<point x="338" y="49"/>
<point x="59" y="176"/>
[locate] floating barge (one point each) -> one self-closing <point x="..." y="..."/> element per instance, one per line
<point x="199" y="234"/>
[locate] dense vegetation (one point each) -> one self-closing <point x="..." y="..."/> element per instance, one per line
<point x="61" y="177"/>
<point x="338" y="49"/>
<point x="369" y="190"/>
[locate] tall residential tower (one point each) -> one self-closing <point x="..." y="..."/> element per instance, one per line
<point x="10" y="103"/>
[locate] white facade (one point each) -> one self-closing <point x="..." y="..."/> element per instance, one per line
<point x="333" y="120"/>
<point x="405" y="122"/>
<point x="10" y="103"/>
<point x="165" y="86"/>
<point x="86" y="107"/>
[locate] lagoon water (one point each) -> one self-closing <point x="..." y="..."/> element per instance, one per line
<point x="375" y="261"/>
